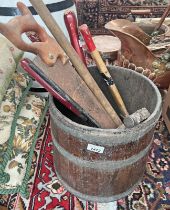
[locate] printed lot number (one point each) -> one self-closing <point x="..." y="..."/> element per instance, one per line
<point x="95" y="148"/>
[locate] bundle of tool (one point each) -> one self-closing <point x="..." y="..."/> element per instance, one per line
<point x="69" y="82"/>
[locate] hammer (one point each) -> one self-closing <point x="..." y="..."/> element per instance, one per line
<point x="136" y="118"/>
<point x="129" y="120"/>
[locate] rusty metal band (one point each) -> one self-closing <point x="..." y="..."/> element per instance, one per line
<point x="108" y="165"/>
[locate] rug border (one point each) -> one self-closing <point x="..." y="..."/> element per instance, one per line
<point x="22" y="189"/>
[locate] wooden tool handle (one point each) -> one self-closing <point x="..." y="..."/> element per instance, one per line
<point x="102" y="67"/>
<point x="141" y="12"/>
<point x="71" y="25"/>
<point x="165" y="14"/>
<point x="50" y="22"/>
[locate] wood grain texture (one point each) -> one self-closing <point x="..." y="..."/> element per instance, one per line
<point x="67" y="79"/>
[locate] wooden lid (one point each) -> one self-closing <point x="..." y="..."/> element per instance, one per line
<point x="106" y="43"/>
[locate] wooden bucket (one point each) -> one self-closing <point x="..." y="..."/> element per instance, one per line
<point x="105" y="164"/>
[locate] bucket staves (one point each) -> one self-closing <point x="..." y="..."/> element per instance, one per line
<point x="106" y="164"/>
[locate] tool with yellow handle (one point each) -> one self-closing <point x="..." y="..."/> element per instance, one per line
<point x="102" y="68"/>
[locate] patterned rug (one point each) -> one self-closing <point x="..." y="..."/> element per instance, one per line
<point x="46" y="193"/>
<point x="96" y="13"/>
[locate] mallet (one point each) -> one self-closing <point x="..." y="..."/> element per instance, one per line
<point x="136" y="118"/>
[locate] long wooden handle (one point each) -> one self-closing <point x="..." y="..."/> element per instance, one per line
<point x="72" y="28"/>
<point x="102" y="68"/>
<point x="50" y="22"/>
<point x="165" y="14"/>
<point x="140" y="12"/>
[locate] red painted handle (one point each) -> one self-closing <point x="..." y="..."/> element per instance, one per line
<point x="71" y="24"/>
<point x="87" y="37"/>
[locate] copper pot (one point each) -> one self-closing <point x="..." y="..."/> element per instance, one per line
<point x="135" y="55"/>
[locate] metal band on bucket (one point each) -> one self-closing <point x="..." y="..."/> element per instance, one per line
<point x="53" y="7"/>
